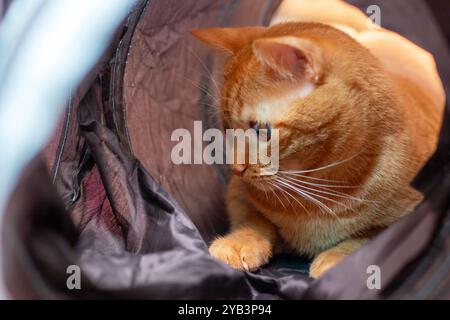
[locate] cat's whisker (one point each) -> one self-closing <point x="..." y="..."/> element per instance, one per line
<point x="313" y="193"/>
<point x="204" y="67"/>
<point x="267" y="196"/>
<point x="324" y="187"/>
<point x="214" y="114"/>
<point x="318" y="195"/>
<point x="275" y="194"/>
<point x="215" y="107"/>
<point x="295" y="199"/>
<point x="299" y="202"/>
<point x="304" y="194"/>
<point x="203" y="90"/>
<point x="284" y="195"/>
<point x="294" y="178"/>
<point x="322" y="207"/>
<point x="335" y="192"/>
<point x="288" y="172"/>
<point x="326" y="166"/>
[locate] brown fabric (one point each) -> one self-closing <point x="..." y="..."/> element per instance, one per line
<point x="171" y="65"/>
<point x="164" y="59"/>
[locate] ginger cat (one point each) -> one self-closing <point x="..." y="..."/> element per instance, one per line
<point x="358" y="116"/>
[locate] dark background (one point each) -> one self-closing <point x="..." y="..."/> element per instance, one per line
<point x="441" y="10"/>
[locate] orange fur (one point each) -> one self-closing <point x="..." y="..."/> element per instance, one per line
<point x="377" y="125"/>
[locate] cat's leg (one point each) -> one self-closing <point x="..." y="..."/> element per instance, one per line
<point x="404" y="201"/>
<point x="329" y="258"/>
<point x="248" y="246"/>
<point x="250" y="243"/>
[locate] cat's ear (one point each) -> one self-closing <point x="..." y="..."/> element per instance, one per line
<point x="291" y="57"/>
<point x="229" y="40"/>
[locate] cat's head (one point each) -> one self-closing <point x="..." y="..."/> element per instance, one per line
<point x="312" y="82"/>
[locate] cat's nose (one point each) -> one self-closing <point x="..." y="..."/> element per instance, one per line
<point x="239" y="169"/>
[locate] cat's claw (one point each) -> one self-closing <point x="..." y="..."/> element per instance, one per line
<point x="245" y="265"/>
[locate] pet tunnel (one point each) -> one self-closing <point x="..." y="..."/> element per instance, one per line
<point x="103" y="194"/>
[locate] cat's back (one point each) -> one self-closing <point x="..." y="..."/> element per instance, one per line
<point x="405" y="60"/>
<point x="399" y="56"/>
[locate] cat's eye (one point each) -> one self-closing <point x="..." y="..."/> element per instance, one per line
<point x="259" y="126"/>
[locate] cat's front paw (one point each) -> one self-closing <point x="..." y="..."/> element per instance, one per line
<point x="243" y="249"/>
<point x="323" y="262"/>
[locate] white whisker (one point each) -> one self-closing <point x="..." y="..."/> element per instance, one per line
<point x="318" y="203"/>
<point x="317" y="195"/>
<point x="326" y="166"/>
<point x="284" y="195"/>
<point x="275" y="194"/>
<point x="324" y="187"/>
<point x="295" y="199"/>
<point x="293" y="177"/>
<point x="289" y="172"/>
<point x="204" y="90"/>
<point x="204" y="68"/>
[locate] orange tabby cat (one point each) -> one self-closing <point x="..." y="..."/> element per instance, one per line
<point x="355" y="126"/>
